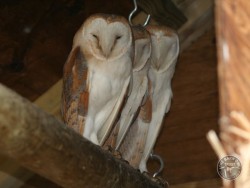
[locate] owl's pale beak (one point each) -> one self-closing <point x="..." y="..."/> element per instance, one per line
<point x="106" y="47"/>
<point x="106" y="52"/>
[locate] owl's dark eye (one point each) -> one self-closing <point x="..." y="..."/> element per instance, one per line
<point x="95" y="36"/>
<point x="118" y="37"/>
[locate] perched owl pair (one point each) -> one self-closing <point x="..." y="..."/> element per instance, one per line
<point x="117" y="84"/>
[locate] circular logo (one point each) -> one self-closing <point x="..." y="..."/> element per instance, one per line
<point x="229" y="167"/>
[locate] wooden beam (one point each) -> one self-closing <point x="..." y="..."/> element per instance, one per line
<point x="164" y="12"/>
<point x="50" y="101"/>
<point x="232" y="23"/>
<point x="46" y="146"/>
<point x="18" y="174"/>
<point x="200" y="16"/>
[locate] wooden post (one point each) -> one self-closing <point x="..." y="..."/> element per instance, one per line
<point x="233" y="36"/>
<point x="232" y="27"/>
<point x="46" y="146"/>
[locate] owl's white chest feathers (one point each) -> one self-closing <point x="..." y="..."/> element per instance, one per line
<point x="106" y="80"/>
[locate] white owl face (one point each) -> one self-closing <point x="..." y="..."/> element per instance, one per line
<point x="107" y="38"/>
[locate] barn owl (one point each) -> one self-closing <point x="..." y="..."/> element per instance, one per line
<point x="165" y="50"/>
<point x="96" y="75"/>
<point x="136" y="115"/>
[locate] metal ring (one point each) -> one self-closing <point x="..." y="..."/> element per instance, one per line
<point x="132" y="13"/>
<point x="159" y="159"/>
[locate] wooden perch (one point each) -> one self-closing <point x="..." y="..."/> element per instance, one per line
<point x="46" y="146"/>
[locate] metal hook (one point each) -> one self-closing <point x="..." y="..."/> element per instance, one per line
<point x="132" y="13"/>
<point x="158" y="158"/>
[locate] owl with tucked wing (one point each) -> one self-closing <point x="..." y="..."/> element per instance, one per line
<point x="96" y="76"/>
<point x="165" y="50"/>
<point x="136" y="114"/>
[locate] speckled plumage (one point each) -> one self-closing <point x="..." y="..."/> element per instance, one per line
<point x="96" y="75"/>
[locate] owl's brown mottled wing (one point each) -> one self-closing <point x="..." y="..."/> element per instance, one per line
<point x="75" y="93"/>
<point x="134" y="142"/>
